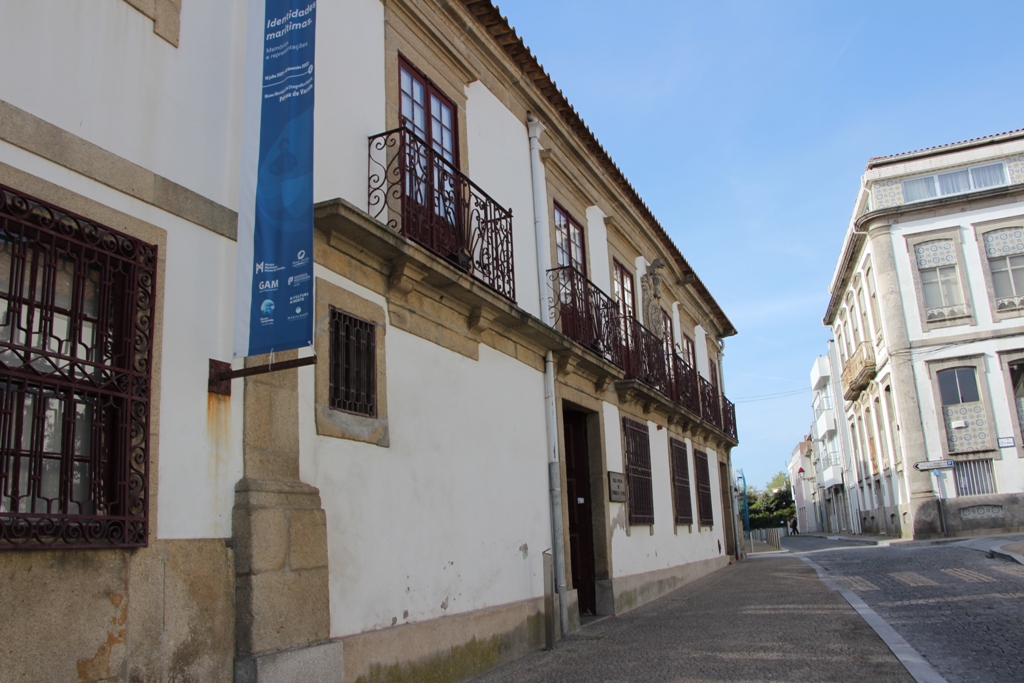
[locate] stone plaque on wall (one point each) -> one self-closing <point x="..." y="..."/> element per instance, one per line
<point x="616" y="487"/>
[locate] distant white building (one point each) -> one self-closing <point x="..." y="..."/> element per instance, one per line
<point x="927" y="309"/>
<point x="834" y="470"/>
<point x="802" y="481"/>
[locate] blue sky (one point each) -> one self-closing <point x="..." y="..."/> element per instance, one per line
<point x="746" y="126"/>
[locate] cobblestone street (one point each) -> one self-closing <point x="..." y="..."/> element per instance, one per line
<point x="766" y="619"/>
<point x="961" y="610"/>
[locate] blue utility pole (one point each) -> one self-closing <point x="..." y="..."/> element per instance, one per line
<point x="746" y="505"/>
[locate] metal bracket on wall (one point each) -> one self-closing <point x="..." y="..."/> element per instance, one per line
<point x="221" y="373"/>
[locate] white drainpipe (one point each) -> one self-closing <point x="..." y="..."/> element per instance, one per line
<point x="540" y="224"/>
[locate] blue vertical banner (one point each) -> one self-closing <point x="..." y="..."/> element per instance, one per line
<point x="274" y="264"/>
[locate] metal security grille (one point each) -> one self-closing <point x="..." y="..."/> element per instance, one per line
<point x="353" y="364"/>
<point x="681" y="482"/>
<point x="704" y="509"/>
<point x="974" y="477"/>
<point x="76" y="315"/>
<point x="638" y="472"/>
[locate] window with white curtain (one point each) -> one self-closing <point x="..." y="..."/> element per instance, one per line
<point x="940" y="283"/>
<point x="954" y="182"/>
<point x="1005" y="251"/>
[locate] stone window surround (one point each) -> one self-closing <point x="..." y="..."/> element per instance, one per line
<point x="952" y="232"/>
<point x="979" y="363"/>
<point x="166" y="16"/>
<point x="1005" y="358"/>
<point x="336" y="423"/>
<point x="980" y="229"/>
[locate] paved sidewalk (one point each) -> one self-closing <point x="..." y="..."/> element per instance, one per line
<point x="769" y="618"/>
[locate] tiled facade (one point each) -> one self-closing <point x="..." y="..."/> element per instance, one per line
<point x="930" y="287"/>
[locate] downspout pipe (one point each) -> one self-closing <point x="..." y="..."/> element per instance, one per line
<point x="541" y="231"/>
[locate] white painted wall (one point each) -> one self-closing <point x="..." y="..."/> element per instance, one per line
<point x="700" y="340"/>
<point x="499" y="162"/>
<point x="597" y="245"/>
<point x="453" y="516"/>
<point x="350" y="96"/>
<point x="175" y="111"/>
<point x="669" y="546"/>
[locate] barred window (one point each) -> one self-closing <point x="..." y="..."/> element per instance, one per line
<point x="704" y="510"/>
<point x="638" y="472"/>
<point x="76" y="315"/>
<point x="681" y="482"/>
<point x="353" y="364"/>
<point x="974" y="477"/>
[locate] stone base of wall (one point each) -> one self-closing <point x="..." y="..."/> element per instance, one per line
<point x="446" y="650"/>
<point x="970" y="516"/>
<point x="886" y="521"/>
<point x="323" y="663"/>
<point x="162" y="613"/>
<point x="621" y="594"/>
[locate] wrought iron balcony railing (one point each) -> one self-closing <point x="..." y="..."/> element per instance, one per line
<point x="711" y="409"/>
<point x="585" y="314"/>
<point x="644" y="356"/>
<point x="415" y="191"/>
<point x="728" y="417"/>
<point x="590" y="317"/>
<point x="685" y="389"/>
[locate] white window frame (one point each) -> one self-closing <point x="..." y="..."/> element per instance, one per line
<point x="937" y="187"/>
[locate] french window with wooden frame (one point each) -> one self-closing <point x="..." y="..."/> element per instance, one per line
<point x="705" y="511"/>
<point x="638" y="472"/>
<point x="570" y="247"/>
<point x="353" y="364"/>
<point x="76" y="339"/>
<point x="681" y="482"/>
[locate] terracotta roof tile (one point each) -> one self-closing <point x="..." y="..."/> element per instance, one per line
<point x="497" y="26"/>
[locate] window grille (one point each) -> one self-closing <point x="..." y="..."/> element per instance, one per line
<point x="76" y="316"/>
<point x="353" y="364"/>
<point x="974" y="477"/>
<point x="681" y="482"/>
<point x="638" y="472"/>
<point x="704" y="509"/>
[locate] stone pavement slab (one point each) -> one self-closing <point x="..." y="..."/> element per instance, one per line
<point x="958" y="608"/>
<point x="769" y="618"/>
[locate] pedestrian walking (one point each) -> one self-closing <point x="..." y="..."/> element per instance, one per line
<point x="793" y="527"/>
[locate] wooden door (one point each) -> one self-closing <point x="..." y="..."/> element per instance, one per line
<point x="581" y="532"/>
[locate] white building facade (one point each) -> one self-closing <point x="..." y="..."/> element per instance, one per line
<point x="929" y="332"/>
<point x="512" y="356"/>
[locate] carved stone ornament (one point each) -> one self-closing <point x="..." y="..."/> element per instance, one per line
<point x="650" y="286"/>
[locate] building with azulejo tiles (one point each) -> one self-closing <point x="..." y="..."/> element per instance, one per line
<point x="927" y="312"/>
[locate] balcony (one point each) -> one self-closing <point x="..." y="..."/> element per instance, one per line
<point x="859" y="370"/>
<point x="419" y="194"/>
<point x="585" y="314"/>
<point x="645" y="356"/>
<point x="728" y="417"/>
<point x="819" y="373"/>
<point x="591" y="318"/>
<point x="824" y="417"/>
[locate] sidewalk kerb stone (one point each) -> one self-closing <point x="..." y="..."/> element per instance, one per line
<point x="910" y="658"/>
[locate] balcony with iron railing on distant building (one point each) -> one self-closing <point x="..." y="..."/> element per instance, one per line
<point x="591" y="318"/>
<point x="858" y="371"/>
<point x="418" y="193"/>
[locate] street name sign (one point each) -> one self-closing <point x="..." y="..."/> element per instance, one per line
<point x="933" y="465"/>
